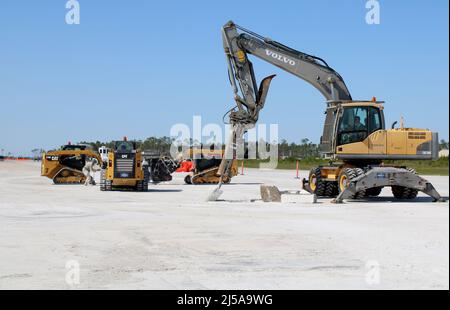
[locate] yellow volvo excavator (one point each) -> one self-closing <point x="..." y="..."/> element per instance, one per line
<point x="65" y="166"/>
<point x="355" y="138"/>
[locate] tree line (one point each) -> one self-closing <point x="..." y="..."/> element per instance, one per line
<point x="304" y="149"/>
<point x="162" y="145"/>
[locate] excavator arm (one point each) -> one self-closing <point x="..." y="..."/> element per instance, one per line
<point x="249" y="97"/>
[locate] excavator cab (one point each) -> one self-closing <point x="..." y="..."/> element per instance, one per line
<point x="355" y="131"/>
<point x="350" y="122"/>
<point x="356" y="123"/>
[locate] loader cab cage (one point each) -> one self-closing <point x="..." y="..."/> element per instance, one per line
<point x="75" y="147"/>
<point x="124" y="146"/>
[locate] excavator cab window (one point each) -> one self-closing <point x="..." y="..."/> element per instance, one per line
<point x="375" y="123"/>
<point x="353" y="125"/>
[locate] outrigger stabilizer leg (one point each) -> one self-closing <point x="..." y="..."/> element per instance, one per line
<point x="388" y="176"/>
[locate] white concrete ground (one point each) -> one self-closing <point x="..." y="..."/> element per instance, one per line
<point x="170" y="238"/>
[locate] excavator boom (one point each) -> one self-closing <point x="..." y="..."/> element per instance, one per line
<point x="251" y="98"/>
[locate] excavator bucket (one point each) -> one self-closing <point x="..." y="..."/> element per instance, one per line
<point x="215" y="194"/>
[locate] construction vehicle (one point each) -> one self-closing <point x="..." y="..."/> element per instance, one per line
<point x="158" y="168"/>
<point x="129" y="168"/>
<point x="355" y="138"/>
<point x="206" y="167"/>
<point x="123" y="169"/>
<point x="65" y="166"/>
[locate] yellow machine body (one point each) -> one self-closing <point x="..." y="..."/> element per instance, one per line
<point x="356" y="140"/>
<point x="206" y="167"/>
<point x="391" y="143"/>
<point x="115" y="165"/>
<point x="373" y="142"/>
<point x="65" y="166"/>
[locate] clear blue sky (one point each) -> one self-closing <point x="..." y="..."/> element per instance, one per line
<point x="137" y="67"/>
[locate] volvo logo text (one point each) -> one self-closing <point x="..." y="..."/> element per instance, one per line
<point x="280" y="57"/>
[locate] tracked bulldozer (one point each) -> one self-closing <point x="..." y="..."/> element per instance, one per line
<point x="206" y="167"/>
<point x="65" y="166"/>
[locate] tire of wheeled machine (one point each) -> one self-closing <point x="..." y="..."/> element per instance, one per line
<point x="319" y="186"/>
<point x="103" y="180"/>
<point x="345" y="176"/>
<point x="141" y="186"/>
<point x="146" y="177"/>
<point x="401" y="192"/>
<point x="374" y="191"/>
<point x="331" y="189"/>
<point x="316" y="182"/>
<point x="105" y="185"/>
<point x="188" y="179"/>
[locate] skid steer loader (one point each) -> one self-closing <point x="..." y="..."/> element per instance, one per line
<point x="123" y="169"/>
<point x="128" y="168"/>
<point x="65" y="166"/>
